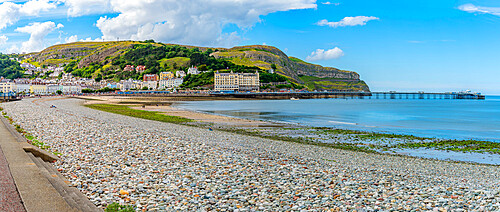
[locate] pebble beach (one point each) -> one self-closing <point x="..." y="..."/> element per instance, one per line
<point x="159" y="166"/>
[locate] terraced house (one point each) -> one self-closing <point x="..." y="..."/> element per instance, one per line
<point x="166" y="75"/>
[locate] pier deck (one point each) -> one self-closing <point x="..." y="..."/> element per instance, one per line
<point x="311" y="95"/>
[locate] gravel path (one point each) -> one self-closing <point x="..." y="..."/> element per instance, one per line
<point x="161" y="166"/>
<point x="9" y="197"/>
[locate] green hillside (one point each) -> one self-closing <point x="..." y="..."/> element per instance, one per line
<point x="10" y="69"/>
<point x="316" y="83"/>
<point x="106" y="60"/>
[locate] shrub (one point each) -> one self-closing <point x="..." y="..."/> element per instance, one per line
<point x="115" y="207"/>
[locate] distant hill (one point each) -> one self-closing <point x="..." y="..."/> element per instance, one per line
<point x="106" y="60"/>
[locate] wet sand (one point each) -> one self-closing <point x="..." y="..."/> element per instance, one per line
<point x="152" y="104"/>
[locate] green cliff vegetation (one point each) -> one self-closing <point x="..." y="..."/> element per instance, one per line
<point x="10" y="69"/>
<point x="316" y="83"/>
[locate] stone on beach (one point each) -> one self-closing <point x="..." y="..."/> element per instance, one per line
<point x="161" y="166"/>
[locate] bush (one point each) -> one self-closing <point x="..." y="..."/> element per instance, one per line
<point x="18" y="128"/>
<point x="115" y="207"/>
<point x="265" y="77"/>
<point x="284" y="86"/>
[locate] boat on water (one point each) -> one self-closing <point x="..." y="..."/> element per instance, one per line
<point x="293" y="98"/>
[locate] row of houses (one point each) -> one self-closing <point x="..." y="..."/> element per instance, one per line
<point x="130" y="84"/>
<point x="38" y="88"/>
<point x="165" y="80"/>
<point x="31" y="69"/>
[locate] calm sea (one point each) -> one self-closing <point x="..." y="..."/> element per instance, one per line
<point x="453" y="119"/>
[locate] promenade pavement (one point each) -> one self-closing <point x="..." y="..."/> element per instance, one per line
<point x="9" y="197"/>
<point x="22" y="186"/>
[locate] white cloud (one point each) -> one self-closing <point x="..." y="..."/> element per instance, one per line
<point x="228" y="39"/>
<point x="348" y="21"/>
<point x="12" y="49"/>
<point x="89" y="39"/>
<point x="71" y="39"/>
<point x="330" y="3"/>
<point x="197" y="22"/>
<point x="3" y="39"/>
<point x="321" y="54"/>
<point x="416" y="41"/>
<point x="33" y="8"/>
<point x="11" y="12"/>
<point x="478" y="9"/>
<point x="85" y="7"/>
<point x="38" y="32"/>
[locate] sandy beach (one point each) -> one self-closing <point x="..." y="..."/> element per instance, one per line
<point x="164" y="107"/>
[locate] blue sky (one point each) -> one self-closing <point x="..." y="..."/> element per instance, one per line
<point x="445" y="45"/>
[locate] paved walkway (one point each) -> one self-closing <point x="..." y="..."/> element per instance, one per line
<point x="9" y="197"/>
<point x="34" y="192"/>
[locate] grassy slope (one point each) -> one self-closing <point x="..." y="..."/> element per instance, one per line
<point x="36" y="64"/>
<point x="294" y="59"/>
<point x="180" y="61"/>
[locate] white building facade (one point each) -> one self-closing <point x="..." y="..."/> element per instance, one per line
<point x="6" y="87"/>
<point x="151" y="85"/>
<point x="170" y="83"/>
<point x="236" y="81"/>
<point x="193" y="70"/>
<point x="72" y="89"/>
<point x="22" y="88"/>
<point x="52" y="89"/>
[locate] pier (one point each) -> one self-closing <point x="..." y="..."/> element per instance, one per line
<point x="306" y="95"/>
<point x="423" y="95"/>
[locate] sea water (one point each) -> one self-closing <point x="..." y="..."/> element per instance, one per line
<point x="439" y="118"/>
